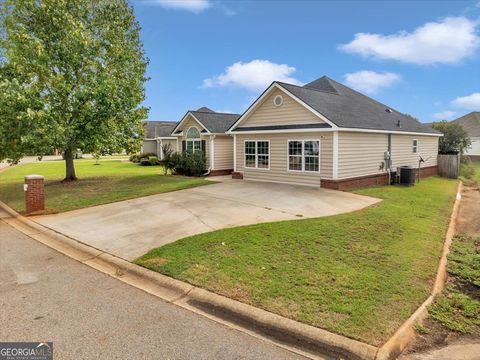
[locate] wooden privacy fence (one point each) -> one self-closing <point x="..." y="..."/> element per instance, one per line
<point x="449" y="165"/>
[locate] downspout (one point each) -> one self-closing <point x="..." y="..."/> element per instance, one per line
<point x="212" y="155"/>
<point x="389" y="160"/>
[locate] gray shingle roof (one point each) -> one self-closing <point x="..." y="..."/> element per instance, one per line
<point x="215" y="122"/>
<point x="156" y="129"/>
<point x="348" y="108"/>
<point x="471" y="123"/>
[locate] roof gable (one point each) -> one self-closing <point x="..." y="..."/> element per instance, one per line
<point x="471" y="123"/>
<point x="290" y="112"/>
<point x="211" y="122"/>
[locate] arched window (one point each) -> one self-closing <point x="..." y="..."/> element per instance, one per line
<point x="193" y="133"/>
<point x="193" y="140"/>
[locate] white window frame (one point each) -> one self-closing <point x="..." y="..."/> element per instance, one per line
<point x="415" y="147"/>
<point x="303" y="141"/>
<point x="193" y="140"/>
<point x="256" y="155"/>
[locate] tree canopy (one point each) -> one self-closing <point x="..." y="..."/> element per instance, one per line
<point x="454" y="140"/>
<point x="72" y="75"/>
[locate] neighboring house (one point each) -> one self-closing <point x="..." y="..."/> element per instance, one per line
<point x="326" y="134"/>
<point x="204" y="130"/>
<point x="471" y="124"/>
<point x="158" y="133"/>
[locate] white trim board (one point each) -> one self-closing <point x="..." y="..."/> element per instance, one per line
<point x="252" y="132"/>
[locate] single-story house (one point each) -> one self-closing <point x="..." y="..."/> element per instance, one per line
<point x="326" y="134"/>
<point x="158" y="134"/>
<point x="205" y="130"/>
<point x="471" y="124"/>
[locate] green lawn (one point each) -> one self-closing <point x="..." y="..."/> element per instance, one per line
<point x="359" y="274"/>
<point x="112" y="180"/>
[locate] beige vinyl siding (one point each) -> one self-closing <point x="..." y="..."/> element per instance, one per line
<point x="150" y="146"/>
<point x="190" y="121"/>
<point x="278" y="171"/>
<point x="171" y="142"/>
<point x="289" y="113"/>
<point x="223" y="153"/>
<point x="402" y="150"/>
<point x="360" y="154"/>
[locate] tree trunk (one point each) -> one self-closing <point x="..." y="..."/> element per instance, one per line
<point x="69" y="166"/>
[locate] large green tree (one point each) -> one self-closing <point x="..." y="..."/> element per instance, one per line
<point x="72" y="76"/>
<point x="455" y="139"/>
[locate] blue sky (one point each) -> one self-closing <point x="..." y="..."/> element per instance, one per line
<point x="419" y="57"/>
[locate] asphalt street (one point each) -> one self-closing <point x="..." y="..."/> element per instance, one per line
<point x="46" y="296"/>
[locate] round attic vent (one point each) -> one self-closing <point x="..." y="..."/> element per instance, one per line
<point x="278" y="100"/>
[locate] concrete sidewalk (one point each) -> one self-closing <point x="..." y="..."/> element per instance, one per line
<point x="129" y="229"/>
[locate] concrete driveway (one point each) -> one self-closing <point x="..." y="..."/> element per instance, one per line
<point x="130" y="228"/>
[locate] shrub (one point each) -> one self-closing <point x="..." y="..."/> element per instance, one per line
<point x="167" y="152"/>
<point x="135" y="158"/>
<point x="195" y="164"/>
<point x="186" y="164"/>
<point x="153" y="160"/>
<point x="177" y="164"/>
<point x="169" y="161"/>
<point x="148" y="154"/>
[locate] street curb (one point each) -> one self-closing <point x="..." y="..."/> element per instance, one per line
<point x="295" y="336"/>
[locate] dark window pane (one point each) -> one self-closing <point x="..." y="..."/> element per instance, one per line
<point x="295" y="163"/>
<point x="263" y="161"/>
<point x="262" y="147"/>
<point x="294" y="148"/>
<point x="311" y="163"/>
<point x="312" y="148"/>
<point x="249" y="160"/>
<point x="250" y="147"/>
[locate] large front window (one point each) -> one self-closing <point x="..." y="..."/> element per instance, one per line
<point x="304" y="155"/>
<point x="257" y="154"/>
<point x="194" y="143"/>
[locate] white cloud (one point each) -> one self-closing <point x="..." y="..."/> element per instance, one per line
<point x="447" y="41"/>
<point x="444" y="115"/>
<point x="470" y="102"/>
<point x="371" y="81"/>
<point x="255" y="75"/>
<point x="195" y="6"/>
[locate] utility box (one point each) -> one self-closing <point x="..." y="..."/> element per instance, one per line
<point x="34" y="193"/>
<point x="407" y="175"/>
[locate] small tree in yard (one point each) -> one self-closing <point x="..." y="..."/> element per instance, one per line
<point x="167" y="152"/>
<point x="454" y="140"/>
<point x="72" y="76"/>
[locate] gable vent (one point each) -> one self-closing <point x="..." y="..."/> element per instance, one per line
<point x="278" y="100"/>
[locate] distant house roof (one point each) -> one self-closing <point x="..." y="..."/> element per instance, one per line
<point x="214" y="122"/>
<point x="347" y="108"/>
<point x="156" y="129"/>
<point x="471" y="123"/>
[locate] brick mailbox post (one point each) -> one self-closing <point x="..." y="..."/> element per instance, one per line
<point x="34" y="193"/>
